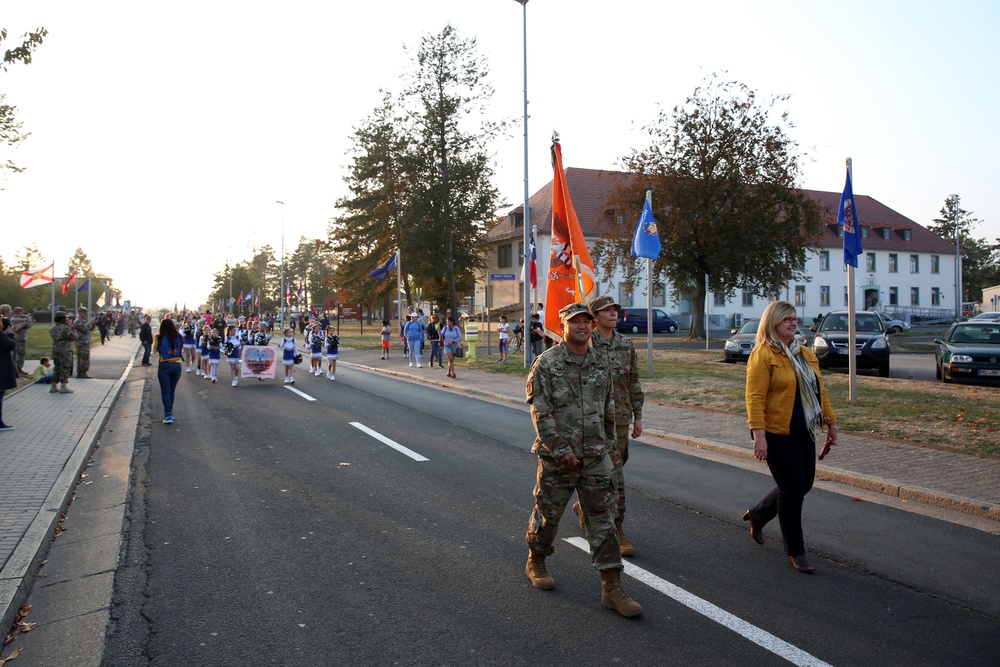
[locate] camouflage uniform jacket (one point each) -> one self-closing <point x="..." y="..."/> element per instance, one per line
<point x="21" y="335"/>
<point x="62" y="338"/>
<point x="619" y="354"/>
<point x="82" y="329"/>
<point x="571" y="405"/>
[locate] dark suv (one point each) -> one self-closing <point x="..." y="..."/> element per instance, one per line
<point x="870" y="342"/>
<point x="633" y="320"/>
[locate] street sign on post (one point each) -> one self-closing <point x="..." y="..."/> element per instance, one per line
<point x="503" y="276"/>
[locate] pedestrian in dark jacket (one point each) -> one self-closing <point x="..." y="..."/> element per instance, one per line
<point x="8" y="371"/>
<point x="146" y="338"/>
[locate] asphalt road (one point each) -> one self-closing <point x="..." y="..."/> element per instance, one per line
<point x="265" y="528"/>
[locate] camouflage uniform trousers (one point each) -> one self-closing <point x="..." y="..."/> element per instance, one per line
<point x="62" y="365"/>
<point x="619" y="457"/>
<point x="554" y="487"/>
<point x="82" y="357"/>
<point x="20" y="345"/>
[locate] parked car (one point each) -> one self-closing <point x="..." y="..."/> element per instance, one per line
<point x="740" y="344"/>
<point x="986" y="317"/>
<point x="633" y="320"/>
<point x="969" y="351"/>
<point x="893" y="325"/>
<point x="871" y="343"/>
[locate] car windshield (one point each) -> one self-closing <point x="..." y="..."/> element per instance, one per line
<point x="976" y="333"/>
<point x="864" y="323"/>
<point x="749" y="327"/>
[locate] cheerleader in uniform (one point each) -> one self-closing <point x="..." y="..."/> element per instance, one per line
<point x="232" y="348"/>
<point x="214" y="353"/>
<point x="332" y="349"/>
<point x="188" y="331"/>
<point x="261" y="336"/>
<point x="288" y="355"/>
<point x="315" y="341"/>
<point x="206" y="331"/>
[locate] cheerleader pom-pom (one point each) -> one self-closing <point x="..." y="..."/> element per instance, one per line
<point x="297" y="358"/>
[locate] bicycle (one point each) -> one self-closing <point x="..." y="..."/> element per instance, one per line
<point x="518" y="342"/>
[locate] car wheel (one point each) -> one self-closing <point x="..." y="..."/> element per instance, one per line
<point x="883" y="370"/>
<point x="635" y="328"/>
<point x="671" y="329"/>
<point x="894" y="330"/>
<point x="729" y="361"/>
<point x="937" y="371"/>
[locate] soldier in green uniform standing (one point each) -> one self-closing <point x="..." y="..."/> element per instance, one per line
<point x="23" y="323"/>
<point x="618" y="353"/>
<point x="572" y="408"/>
<point x="82" y="327"/>
<point x="62" y="354"/>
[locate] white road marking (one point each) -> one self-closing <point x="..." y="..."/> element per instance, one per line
<point x="762" y="638"/>
<point x="300" y="393"/>
<point x="392" y="443"/>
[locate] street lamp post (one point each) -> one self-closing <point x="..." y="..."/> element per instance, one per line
<point x="281" y="297"/>
<point x="959" y="310"/>
<point x="526" y="222"/>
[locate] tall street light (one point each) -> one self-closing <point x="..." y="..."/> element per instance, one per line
<point x="281" y="296"/>
<point x="526" y="220"/>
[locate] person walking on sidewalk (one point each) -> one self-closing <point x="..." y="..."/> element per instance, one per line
<point x="146" y="338"/>
<point x="572" y="407"/>
<point x="618" y="353"/>
<point x="434" y="336"/>
<point x="413" y="331"/>
<point x="786" y="401"/>
<point x="62" y="354"/>
<point x="82" y="326"/>
<point x="169" y="346"/>
<point x="8" y="370"/>
<point x="451" y="338"/>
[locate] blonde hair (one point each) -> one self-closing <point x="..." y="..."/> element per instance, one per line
<point x="775" y="312"/>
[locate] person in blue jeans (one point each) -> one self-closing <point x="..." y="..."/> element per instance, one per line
<point x="413" y="332"/>
<point x="169" y="345"/>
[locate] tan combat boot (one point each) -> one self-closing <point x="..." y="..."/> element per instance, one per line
<point x="538" y="573"/>
<point x="54" y="389"/>
<point x="64" y="389"/>
<point x="624" y="545"/>
<point x="613" y="597"/>
<point x="579" y="514"/>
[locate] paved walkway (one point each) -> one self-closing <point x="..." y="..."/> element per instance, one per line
<point x="41" y="460"/>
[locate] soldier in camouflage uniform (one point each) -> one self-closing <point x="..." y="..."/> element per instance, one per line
<point x="82" y="327"/>
<point x="62" y="354"/>
<point x="618" y="353"/>
<point x="573" y="412"/>
<point x="20" y="336"/>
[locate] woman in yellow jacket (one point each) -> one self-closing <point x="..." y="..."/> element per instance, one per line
<point x="786" y="401"/>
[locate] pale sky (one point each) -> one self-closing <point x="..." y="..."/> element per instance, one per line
<point x="162" y="134"/>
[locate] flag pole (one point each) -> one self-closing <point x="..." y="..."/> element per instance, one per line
<point x="649" y="299"/>
<point x="852" y="358"/>
<point x="52" y="306"/>
<point x="529" y="296"/>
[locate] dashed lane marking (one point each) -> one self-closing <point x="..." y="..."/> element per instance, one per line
<point x="300" y="393"/>
<point x="388" y="441"/>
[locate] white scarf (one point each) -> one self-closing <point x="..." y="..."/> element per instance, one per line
<point x="808" y="383"/>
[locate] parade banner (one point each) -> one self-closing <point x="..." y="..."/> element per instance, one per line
<point x="259" y="361"/>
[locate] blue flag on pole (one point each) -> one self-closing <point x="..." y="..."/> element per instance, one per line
<point x="384" y="268"/>
<point x="847" y="218"/>
<point x="85" y="287"/>
<point x="646" y="239"/>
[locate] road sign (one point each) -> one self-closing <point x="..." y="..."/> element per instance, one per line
<point x="502" y="276"/>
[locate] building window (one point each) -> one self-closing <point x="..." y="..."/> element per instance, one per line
<point x="886" y="233"/>
<point x="935" y="296"/>
<point x="907" y="235"/>
<point x="845" y="295"/>
<point x="718" y="299"/>
<point x="893" y="296"/>
<point x="624" y="294"/>
<point x="893" y="262"/>
<point x="659" y="298"/>
<point x="747" y="298"/>
<point x="824" y="260"/>
<point x="870" y="263"/>
<point x="824" y="296"/>
<point x="504" y="259"/>
<point x="800" y="295"/>
<point x="935" y="263"/>
<point x="914" y="263"/>
<point x="914" y="296"/>
<point x="864" y="231"/>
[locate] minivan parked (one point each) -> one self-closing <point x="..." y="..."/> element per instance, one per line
<point x="633" y="320"/>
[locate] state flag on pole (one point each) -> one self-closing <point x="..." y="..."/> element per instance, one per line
<point x="571" y="271"/>
<point x="646" y="240"/>
<point x="249" y="296"/>
<point x="532" y="262"/>
<point x="69" y="281"/>
<point x="256" y="301"/>
<point x="847" y="218"/>
<point x="384" y="268"/>
<point x="239" y="299"/>
<point x="100" y="301"/>
<point x="84" y="286"/>
<point x="40" y="277"/>
<point x="288" y="295"/>
<point x="301" y="292"/>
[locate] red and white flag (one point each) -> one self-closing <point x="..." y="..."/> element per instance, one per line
<point x="69" y="281"/>
<point x="40" y="277"/>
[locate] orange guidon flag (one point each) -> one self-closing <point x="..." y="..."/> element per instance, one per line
<point x="571" y="271"/>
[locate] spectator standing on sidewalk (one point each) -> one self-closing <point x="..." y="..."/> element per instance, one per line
<point x="573" y="410"/>
<point x="168" y="344"/>
<point x="62" y="354"/>
<point x="386" y="334"/>
<point x="413" y="331"/>
<point x="8" y="372"/>
<point x="102" y="325"/>
<point x="451" y="338"/>
<point x="22" y="322"/>
<point x="434" y="336"/>
<point x="82" y="326"/>
<point x="618" y="353"/>
<point x="146" y="338"/>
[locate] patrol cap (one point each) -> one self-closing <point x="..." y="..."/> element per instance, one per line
<point x="566" y="313"/>
<point x="82" y="309"/>
<point x="599" y="303"/>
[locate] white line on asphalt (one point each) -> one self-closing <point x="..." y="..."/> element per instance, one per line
<point x="762" y="638"/>
<point x="300" y="393"/>
<point x="392" y="443"/>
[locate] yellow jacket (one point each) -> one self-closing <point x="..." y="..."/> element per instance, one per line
<point x="771" y="387"/>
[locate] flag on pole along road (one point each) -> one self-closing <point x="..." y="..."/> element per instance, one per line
<point x="69" y="281"/>
<point x="847" y="218"/>
<point x="571" y="271"/>
<point x="256" y="301"/>
<point x="249" y="296"/>
<point x="532" y="262"/>
<point x="384" y="268"/>
<point x="100" y="301"/>
<point x="39" y="277"/>
<point x="239" y="299"/>
<point x="84" y="286"/>
<point x="646" y="240"/>
<point x="301" y="292"/>
<point x="288" y="296"/>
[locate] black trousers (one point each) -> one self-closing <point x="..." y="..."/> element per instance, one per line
<point x="792" y="460"/>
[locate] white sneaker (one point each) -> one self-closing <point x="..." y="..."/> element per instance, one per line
<point x="291" y="380"/>
<point x="286" y="379"/>
<point x="214" y="380"/>
<point x="332" y="377"/>
<point x="197" y="372"/>
<point x="419" y="366"/>
<point x="234" y="382"/>
<point x="411" y="364"/>
<point x="188" y="369"/>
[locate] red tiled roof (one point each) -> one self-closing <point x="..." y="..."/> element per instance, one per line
<point x="590" y="189"/>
